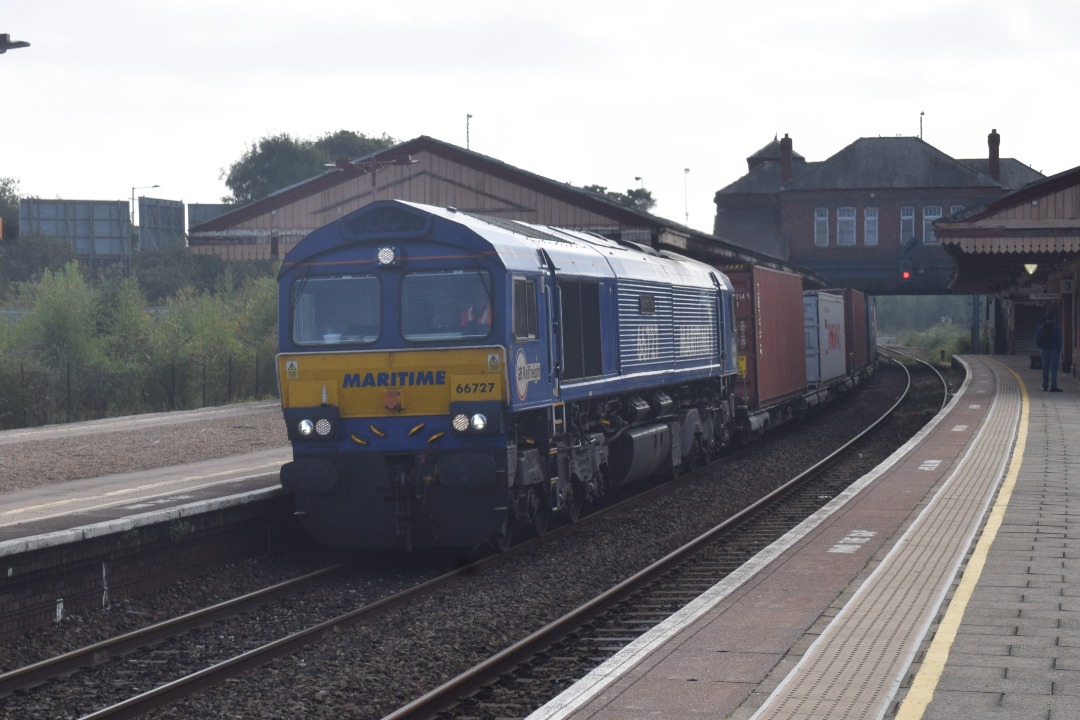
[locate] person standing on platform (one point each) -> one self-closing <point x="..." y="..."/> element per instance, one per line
<point x="1048" y="339"/>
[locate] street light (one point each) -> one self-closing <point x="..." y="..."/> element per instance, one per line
<point x="6" y="43"/>
<point x="686" y="195"/>
<point x="133" y="189"/>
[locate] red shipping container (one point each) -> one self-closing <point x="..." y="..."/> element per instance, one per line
<point x="769" y="328"/>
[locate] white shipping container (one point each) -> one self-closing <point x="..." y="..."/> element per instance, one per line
<point x="826" y="352"/>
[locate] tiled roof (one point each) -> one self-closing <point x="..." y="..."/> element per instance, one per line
<point x="772" y="152"/>
<point x="893" y="162"/>
<point x="765" y="178"/>
<point x="1014" y="174"/>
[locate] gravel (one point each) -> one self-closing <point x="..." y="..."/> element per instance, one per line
<point x="44" y="456"/>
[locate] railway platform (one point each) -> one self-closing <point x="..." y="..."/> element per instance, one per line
<point x="943" y="584"/>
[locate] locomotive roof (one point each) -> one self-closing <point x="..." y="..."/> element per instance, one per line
<point x="516" y="243"/>
<point x="576" y="252"/>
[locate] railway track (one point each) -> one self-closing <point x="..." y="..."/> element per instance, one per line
<point x="607" y="639"/>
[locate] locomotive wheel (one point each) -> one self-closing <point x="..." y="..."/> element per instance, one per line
<point x="539" y="514"/>
<point x="574" y="495"/>
<point x="502" y="539"/>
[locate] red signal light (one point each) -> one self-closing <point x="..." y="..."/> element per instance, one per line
<point x="906" y="274"/>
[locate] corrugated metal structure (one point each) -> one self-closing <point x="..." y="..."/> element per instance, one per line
<point x="161" y="223"/>
<point x="199" y="213"/>
<point x="98" y="230"/>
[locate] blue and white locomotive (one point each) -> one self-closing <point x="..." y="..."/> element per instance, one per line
<point x="447" y="377"/>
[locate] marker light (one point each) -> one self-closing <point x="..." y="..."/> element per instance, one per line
<point x="388" y="255"/>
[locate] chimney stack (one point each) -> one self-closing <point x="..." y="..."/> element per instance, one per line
<point x="785" y="159"/>
<point x="995" y="161"/>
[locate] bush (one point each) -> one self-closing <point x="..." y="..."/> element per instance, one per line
<point x="939" y="343"/>
<point x="77" y="351"/>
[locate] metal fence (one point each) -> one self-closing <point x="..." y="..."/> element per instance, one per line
<point x="35" y="396"/>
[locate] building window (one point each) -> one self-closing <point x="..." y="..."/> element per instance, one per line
<point x="821" y="226"/>
<point x="930" y="213"/>
<point x="845" y="226"/>
<point x="870" y="226"/>
<point x="953" y="209"/>
<point x="907" y="224"/>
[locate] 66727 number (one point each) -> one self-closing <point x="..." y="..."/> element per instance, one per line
<point x="476" y="388"/>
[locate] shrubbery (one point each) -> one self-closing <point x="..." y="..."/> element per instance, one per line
<point x="78" y="350"/>
<point x="939" y="343"/>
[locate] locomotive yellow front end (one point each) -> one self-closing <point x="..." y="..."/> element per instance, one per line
<point x="404" y="448"/>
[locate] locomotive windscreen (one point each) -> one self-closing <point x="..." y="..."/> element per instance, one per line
<point x="442" y="305"/>
<point x="328" y="310"/>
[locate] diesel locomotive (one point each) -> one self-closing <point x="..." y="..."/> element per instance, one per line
<point x="448" y="379"/>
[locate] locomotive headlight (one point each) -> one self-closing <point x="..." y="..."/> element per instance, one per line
<point x="478" y="421"/>
<point x="460" y="422"/>
<point x="314" y="423"/>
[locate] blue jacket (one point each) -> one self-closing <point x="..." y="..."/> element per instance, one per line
<point x="1055" y="331"/>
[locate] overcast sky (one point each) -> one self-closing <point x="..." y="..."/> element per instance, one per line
<point x="116" y="94"/>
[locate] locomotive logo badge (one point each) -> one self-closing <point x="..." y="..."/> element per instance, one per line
<point x="392" y="400"/>
<point x="525" y="372"/>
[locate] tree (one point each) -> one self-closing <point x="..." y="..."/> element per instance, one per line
<point x="348" y="144"/>
<point x="9" y="207"/>
<point x="164" y="272"/>
<point x="25" y="259"/>
<point x="60" y="325"/>
<point x="278" y="161"/>
<point x="637" y="198"/>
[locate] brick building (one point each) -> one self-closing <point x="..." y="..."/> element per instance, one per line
<point x="865" y="216"/>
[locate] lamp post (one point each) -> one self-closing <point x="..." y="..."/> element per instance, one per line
<point x="686" y="195"/>
<point x="133" y="189"/>
<point x="6" y="43"/>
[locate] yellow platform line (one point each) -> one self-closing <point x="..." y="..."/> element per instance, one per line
<point x="929" y="675"/>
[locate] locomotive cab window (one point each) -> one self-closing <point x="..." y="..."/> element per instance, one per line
<point x="525" y="325"/>
<point x="446" y="305"/>
<point x="331" y="310"/>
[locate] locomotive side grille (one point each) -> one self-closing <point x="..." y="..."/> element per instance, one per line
<point x="646" y="340"/>
<point x="662" y="328"/>
<point x="694" y="316"/>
